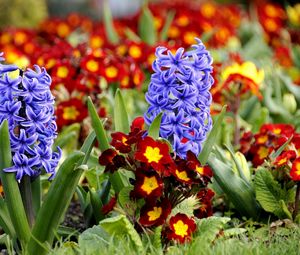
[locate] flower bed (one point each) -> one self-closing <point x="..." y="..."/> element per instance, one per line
<point x="176" y="126"/>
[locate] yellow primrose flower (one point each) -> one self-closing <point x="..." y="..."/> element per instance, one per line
<point x="294" y="14"/>
<point x="246" y="69"/>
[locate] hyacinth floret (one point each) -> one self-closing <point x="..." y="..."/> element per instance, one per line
<point x="27" y="104"/>
<point x="179" y="88"/>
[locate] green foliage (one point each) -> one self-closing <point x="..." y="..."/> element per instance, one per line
<point x="154" y="128"/>
<point x="240" y="193"/>
<point x="120" y="114"/>
<point x="212" y="138"/>
<point x="68" y="138"/>
<point x="110" y="30"/>
<point x="169" y="19"/>
<point x="119" y="226"/>
<point x="187" y="206"/>
<point x="11" y="190"/>
<point x="209" y="228"/>
<point x="270" y="195"/>
<point x="146" y="26"/>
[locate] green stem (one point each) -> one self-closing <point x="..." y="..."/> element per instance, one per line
<point x="25" y="188"/>
<point x="236" y="134"/>
<point x="297" y="200"/>
<point x="36" y="194"/>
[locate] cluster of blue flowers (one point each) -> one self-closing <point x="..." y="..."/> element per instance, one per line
<point x="28" y="105"/>
<point x="180" y="88"/>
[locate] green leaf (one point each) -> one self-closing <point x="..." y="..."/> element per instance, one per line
<point x="96" y="205"/>
<point x="110" y="30"/>
<point x="157" y="238"/>
<point x="209" y="228"/>
<point x="98" y="126"/>
<point x="11" y="189"/>
<point x="125" y="202"/>
<point x="146" y="26"/>
<point x="187" y="206"/>
<point x="237" y="190"/>
<point x="154" y="128"/>
<point x="288" y="83"/>
<point x="120" y="114"/>
<point x="93" y="240"/>
<point x="131" y="35"/>
<point x="5" y="220"/>
<point x="238" y="165"/>
<point x="269" y="194"/>
<point x="56" y="203"/>
<point x="67" y="137"/>
<point x="87" y="147"/>
<point x="169" y="19"/>
<point x="275" y="154"/>
<point x="119" y="226"/>
<point x="212" y="138"/>
<point x="231" y="232"/>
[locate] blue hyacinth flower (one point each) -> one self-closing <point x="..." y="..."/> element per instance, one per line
<point x="179" y="88"/>
<point x="27" y="104"/>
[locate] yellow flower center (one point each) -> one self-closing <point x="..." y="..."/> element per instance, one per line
<point x="182" y="175"/>
<point x="92" y="65"/>
<point x="70" y="113"/>
<point x="96" y="42"/>
<point x="181" y="228"/>
<point x="62" y="72"/>
<point x="263" y="152"/>
<point x="200" y="169"/>
<point x="153" y="154"/>
<point x="111" y="72"/>
<point x="189" y="37"/>
<point x="297" y="166"/>
<point x="183" y="21"/>
<point x="208" y="10"/>
<point x="124" y="139"/>
<point x="20" y="38"/>
<point x="150" y="184"/>
<point x="271" y="25"/>
<point x="155" y="214"/>
<point x="173" y="32"/>
<point x="262" y="139"/>
<point x="282" y="161"/>
<point x="271" y="11"/>
<point x="135" y="51"/>
<point x="63" y="30"/>
<point x="277" y="131"/>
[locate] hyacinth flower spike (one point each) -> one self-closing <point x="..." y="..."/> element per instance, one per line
<point x="179" y="88"/>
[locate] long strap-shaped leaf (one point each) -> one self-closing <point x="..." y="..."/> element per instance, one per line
<point x="110" y="30"/>
<point x="11" y="188"/>
<point x="239" y="193"/>
<point x="212" y="138"/>
<point x="59" y="197"/>
<point x="115" y="178"/>
<point x="120" y="114"/>
<point x="55" y="204"/>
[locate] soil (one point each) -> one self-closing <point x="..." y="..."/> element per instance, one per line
<point x="74" y="217"/>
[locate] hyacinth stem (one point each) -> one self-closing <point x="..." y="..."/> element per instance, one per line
<point x="297" y="201"/>
<point x="36" y="194"/>
<point x="26" y="193"/>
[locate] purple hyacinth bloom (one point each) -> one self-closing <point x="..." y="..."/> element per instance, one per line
<point x="180" y="88"/>
<point x="28" y="105"/>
